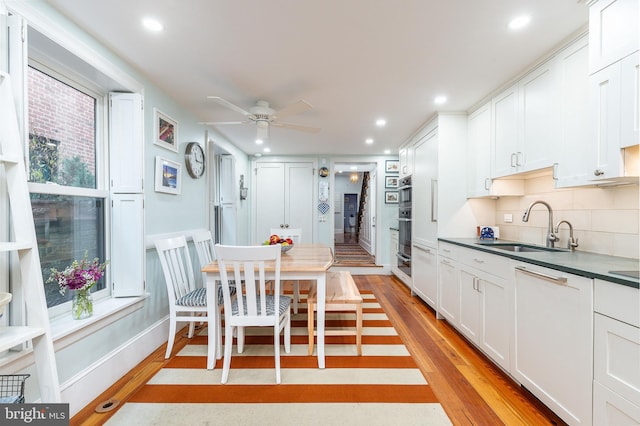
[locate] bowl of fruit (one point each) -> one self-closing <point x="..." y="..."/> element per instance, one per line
<point x="286" y="244"/>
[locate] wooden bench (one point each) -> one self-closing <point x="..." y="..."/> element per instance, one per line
<point x="342" y="295"/>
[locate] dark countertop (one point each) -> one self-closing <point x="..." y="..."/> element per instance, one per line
<point x="590" y="265"/>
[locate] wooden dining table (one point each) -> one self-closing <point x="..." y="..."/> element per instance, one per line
<point x="301" y="262"/>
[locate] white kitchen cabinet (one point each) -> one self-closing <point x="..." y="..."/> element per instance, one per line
<point x="553" y="340"/>
<point x="485" y="303"/>
<point x="405" y="157"/>
<point x="630" y="100"/>
<point x="616" y="353"/>
<point x="425" y="191"/>
<point x="605" y="119"/>
<point x="525" y="126"/>
<point x="479" y="181"/>
<point x="613" y="31"/>
<point x="424" y="273"/>
<point x="448" y="283"/>
<point x="574" y="159"/>
<point x="504" y="146"/>
<point x="479" y="152"/>
<point x="538" y="117"/>
<point x="284" y="197"/>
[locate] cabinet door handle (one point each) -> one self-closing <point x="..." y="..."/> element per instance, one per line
<point x="557" y="280"/>
<point x="513" y="159"/>
<point x="422" y="248"/>
<point x="487" y="184"/>
<point x="445" y="261"/>
<point x="518" y="155"/>
<point x="434" y="200"/>
<point x="475" y="259"/>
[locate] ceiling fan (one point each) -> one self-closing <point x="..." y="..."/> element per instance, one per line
<point x="265" y="116"/>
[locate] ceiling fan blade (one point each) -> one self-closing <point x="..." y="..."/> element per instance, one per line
<point x="296" y="108"/>
<point x="298" y="127"/>
<point x="216" y="123"/>
<point x="227" y="104"/>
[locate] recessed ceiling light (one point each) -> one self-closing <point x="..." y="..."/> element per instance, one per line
<point x="369" y="141"/>
<point x="354" y="167"/>
<point x="257" y="154"/>
<point x="267" y="149"/>
<point x="152" y="24"/>
<point x="259" y="141"/>
<point x="387" y="151"/>
<point x="381" y="122"/>
<point x="439" y="100"/>
<point x="519" y="22"/>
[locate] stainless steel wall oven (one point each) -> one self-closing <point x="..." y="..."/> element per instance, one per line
<point x="404" y="226"/>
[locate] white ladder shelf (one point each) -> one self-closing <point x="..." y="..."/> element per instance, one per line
<point x="37" y="330"/>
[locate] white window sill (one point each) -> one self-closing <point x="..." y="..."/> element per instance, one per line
<point x="66" y="331"/>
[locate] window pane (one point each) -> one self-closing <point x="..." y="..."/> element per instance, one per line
<point x="66" y="227"/>
<point x="62" y="129"/>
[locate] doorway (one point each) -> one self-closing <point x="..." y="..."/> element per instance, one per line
<point x="355" y="214"/>
<point x="350" y="209"/>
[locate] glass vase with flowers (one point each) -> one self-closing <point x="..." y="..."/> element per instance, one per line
<point x="79" y="277"/>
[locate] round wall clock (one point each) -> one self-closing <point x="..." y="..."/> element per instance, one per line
<point x="194" y="160"/>
<point x="324" y="172"/>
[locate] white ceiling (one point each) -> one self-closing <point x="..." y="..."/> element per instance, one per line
<point x="353" y="60"/>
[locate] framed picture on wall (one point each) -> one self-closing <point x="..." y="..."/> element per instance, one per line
<point x="165" y="131"/>
<point x="392" y="166"/>
<point x="168" y="176"/>
<point x="391" y="181"/>
<point x="391" y="197"/>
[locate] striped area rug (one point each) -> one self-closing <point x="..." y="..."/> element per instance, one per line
<point x="381" y="387"/>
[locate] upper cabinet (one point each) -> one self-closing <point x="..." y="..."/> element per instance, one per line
<point x="573" y="158"/>
<point x="613" y="63"/>
<point x="524" y="123"/>
<point x="406" y="160"/>
<point x="613" y="31"/>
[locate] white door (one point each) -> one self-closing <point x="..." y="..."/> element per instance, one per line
<point x="283" y="197"/>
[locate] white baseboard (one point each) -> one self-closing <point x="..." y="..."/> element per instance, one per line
<point x="88" y="384"/>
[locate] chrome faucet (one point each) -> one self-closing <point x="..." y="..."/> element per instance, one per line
<point x="551" y="237"/>
<point x="573" y="242"/>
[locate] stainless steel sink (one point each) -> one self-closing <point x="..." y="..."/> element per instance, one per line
<point x="522" y="248"/>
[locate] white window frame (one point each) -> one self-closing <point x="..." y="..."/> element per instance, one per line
<point x="122" y="81"/>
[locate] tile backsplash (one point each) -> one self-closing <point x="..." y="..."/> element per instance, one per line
<point x="605" y="220"/>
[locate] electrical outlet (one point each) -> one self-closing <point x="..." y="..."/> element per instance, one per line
<point x="508" y="218"/>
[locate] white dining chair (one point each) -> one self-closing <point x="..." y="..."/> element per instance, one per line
<point x="252" y="306"/>
<point x="187" y="303"/>
<point x="203" y="242"/>
<point x="296" y="236"/>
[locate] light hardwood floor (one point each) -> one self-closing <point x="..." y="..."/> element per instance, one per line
<point x="470" y="388"/>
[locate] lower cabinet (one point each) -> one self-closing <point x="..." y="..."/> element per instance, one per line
<point x="553" y="347"/>
<point x="616" y="355"/>
<point x="424" y="273"/>
<point x="448" y="284"/>
<point x="484" y="313"/>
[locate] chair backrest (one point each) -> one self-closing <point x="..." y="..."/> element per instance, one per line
<point x="294" y="233"/>
<point x="246" y="265"/>
<point x="176" y="266"/>
<point x="204" y="247"/>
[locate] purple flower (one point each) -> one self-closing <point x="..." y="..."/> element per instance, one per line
<point x="80" y="275"/>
